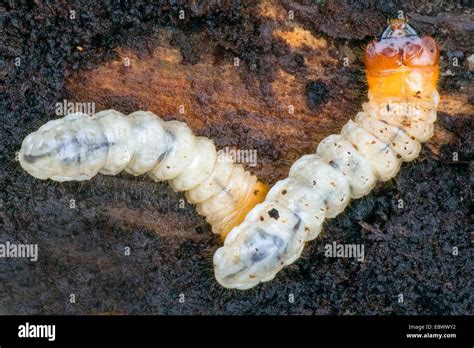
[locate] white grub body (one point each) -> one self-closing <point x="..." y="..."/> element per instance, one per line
<point x="78" y="146"/>
<point x="319" y="186"/>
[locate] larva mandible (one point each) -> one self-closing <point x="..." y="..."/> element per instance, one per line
<point x="402" y="70"/>
<point x="77" y="147"/>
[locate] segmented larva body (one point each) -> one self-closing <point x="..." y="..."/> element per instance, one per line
<point x="402" y="70"/>
<point x="78" y="146"/>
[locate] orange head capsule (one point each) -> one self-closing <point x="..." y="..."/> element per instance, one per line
<point x="401" y="64"/>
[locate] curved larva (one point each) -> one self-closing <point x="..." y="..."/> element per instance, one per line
<point x="369" y="148"/>
<point x="77" y="147"/>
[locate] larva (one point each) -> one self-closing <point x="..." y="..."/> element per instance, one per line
<point x="78" y="146"/>
<point x="402" y="70"/>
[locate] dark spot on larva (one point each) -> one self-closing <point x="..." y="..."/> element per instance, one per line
<point x="297" y="225"/>
<point x="388" y="107"/>
<point x="399" y="156"/>
<point x="314" y="182"/>
<point x="306" y="229"/>
<point x="32" y="159"/>
<point x="273" y="213"/>
<point x="262" y="218"/>
<point x="167" y="167"/>
<point x="284" y="192"/>
<point x="255" y="192"/>
<point x="163" y="155"/>
<point x="334" y="164"/>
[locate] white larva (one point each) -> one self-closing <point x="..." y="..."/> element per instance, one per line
<point x="78" y="146"/>
<point x="319" y="186"/>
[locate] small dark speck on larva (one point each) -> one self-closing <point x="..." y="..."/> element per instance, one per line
<point x="273" y="213"/>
